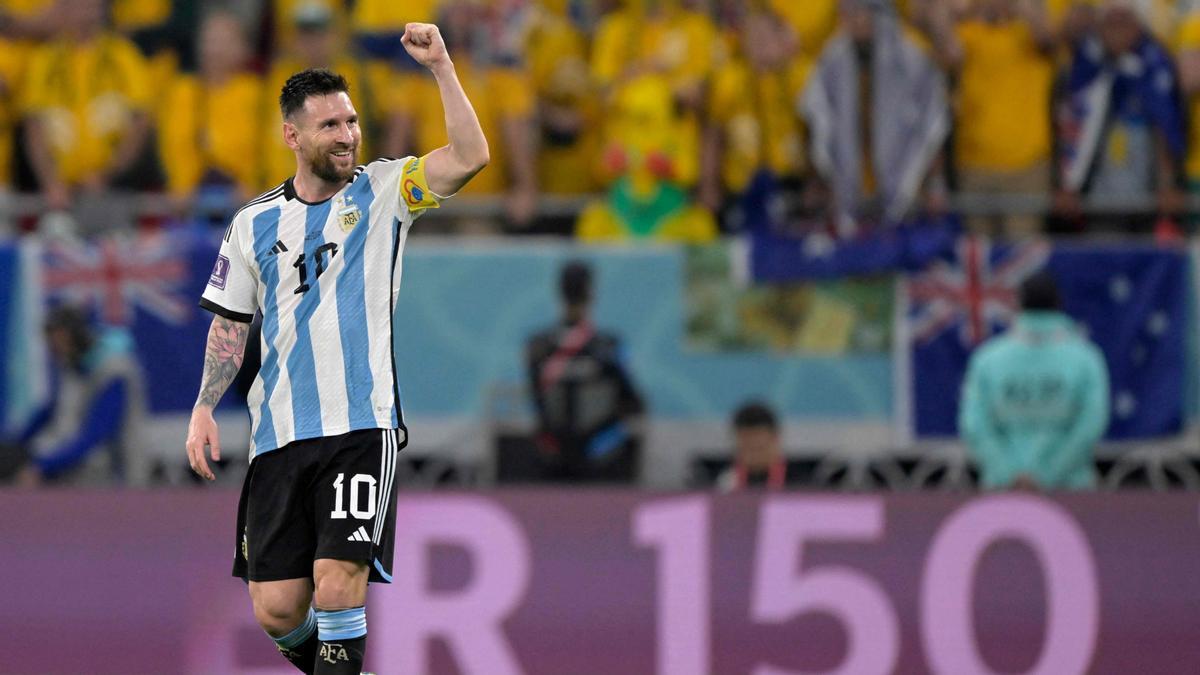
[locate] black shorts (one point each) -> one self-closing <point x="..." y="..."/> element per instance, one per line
<point x="332" y="497"/>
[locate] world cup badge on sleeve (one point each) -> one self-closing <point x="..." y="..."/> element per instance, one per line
<point x="348" y="215"/>
<point x="220" y="273"/>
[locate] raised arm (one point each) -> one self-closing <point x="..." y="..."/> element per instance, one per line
<point x="222" y="360"/>
<point x="448" y="168"/>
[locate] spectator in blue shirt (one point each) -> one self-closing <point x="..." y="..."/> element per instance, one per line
<point x="85" y="434"/>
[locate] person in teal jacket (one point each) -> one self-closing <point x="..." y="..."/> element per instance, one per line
<point x="1036" y="399"/>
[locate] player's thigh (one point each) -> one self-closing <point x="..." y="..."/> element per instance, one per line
<point x="353" y="495"/>
<point x="277" y="537"/>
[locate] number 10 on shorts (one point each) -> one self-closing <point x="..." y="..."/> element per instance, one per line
<point x="339" y="509"/>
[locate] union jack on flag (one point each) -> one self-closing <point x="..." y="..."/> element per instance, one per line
<point x="119" y="274"/>
<point x="976" y="290"/>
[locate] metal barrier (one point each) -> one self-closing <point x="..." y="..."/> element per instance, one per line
<point x="128" y="207"/>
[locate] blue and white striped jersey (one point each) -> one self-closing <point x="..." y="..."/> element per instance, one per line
<point x="325" y="277"/>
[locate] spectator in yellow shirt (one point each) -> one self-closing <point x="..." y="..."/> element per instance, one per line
<point x="285" y="28"/>
<point x="12" y="68"/>
<point x="753" y="127"/>
<point x="568" y="105"/>
<point x="639" y="48"/>
<point x="317" y="43"/>
<point x="813" y="21"/>
<point x="1003" y="52"/>
<point x="164" y="31"/>
<point x="209" y="133"/>
<point x="655" y="36"/>
<point x="27" y="21"/>
<point x="1189" y="76"/>
<point x="486" y="44"/>
<point x="659" y="38"/>
<point x="389" y="71"/>
<point x="86" y="101"/>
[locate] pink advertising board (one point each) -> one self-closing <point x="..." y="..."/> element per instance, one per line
<point x="596" y="581"/>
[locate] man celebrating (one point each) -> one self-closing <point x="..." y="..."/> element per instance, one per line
<point x="319" y="257"/>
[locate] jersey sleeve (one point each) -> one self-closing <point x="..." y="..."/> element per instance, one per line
<point x="232" y="289"/>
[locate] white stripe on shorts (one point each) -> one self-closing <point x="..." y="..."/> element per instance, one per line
<point x="387" y="473"/>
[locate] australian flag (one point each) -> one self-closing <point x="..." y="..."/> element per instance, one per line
<point x="148" y="284"/>
<point x="1131" y="300"/>
<point x="24" y="382"/>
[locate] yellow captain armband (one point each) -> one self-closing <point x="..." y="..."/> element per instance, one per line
<point x="414" y="189"/>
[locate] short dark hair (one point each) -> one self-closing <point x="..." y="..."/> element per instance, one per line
<point x="753" y="415"/>
<point x="311" y="82"/>
<point x="1040" y="292"/>
<point x="575" y="283"/>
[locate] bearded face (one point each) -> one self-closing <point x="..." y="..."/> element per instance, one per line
<point x="331" y="162"/>
<point x="326" y="136"/>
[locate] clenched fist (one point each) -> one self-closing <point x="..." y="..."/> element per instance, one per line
<point x="424" y="43"/>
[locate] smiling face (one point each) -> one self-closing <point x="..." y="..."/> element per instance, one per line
<point x="325" y="136"/>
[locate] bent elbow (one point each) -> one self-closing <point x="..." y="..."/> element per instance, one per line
<point x="482" y="160"/>
<point x="468" y="161"/>
<point x="483" y="154"/>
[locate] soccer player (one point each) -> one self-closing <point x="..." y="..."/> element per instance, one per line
<point x="319" y="256"/>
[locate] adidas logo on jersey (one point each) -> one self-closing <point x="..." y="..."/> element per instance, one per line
<point x="278" y="247"/>
<point x="359" y="535"/>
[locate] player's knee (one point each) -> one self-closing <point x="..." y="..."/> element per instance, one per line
<point x="278" y="615"/>
<point x="340" y="584"/>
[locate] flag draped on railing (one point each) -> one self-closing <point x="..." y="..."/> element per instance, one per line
<point x="1132" y="300"/>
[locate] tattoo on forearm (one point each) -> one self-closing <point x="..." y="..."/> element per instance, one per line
<point x="222" y="358"/>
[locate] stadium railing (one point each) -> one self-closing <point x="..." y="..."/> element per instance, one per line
<point x="128" y="207"/>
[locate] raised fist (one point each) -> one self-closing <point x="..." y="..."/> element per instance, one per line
<point x="424" y="43"/>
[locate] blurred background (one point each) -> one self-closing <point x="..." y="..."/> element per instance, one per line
<point x="898" y="250"/>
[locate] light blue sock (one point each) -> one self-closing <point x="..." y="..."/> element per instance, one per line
<point x="341" y="624"/>
<point x="300" y="634"/>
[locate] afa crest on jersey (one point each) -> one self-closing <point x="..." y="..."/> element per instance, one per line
<point x="348" y="214"/>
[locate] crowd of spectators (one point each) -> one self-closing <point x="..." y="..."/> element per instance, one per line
<point x="677" y="118"/>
